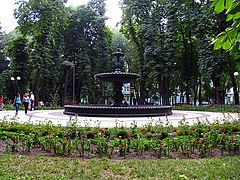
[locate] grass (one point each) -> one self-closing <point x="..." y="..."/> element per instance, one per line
<point x="40" y="167"/>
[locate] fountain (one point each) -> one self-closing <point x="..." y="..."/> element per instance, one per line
<point x="117" y="108"/>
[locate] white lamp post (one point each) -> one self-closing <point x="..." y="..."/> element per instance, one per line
<point x="18" y="78"/>
<point x="236" y="74"/>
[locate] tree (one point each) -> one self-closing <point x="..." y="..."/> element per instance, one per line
<point x="135" y="15"/>
<point x="42" y="22"/>
<point x="229" y="39"/>
<point x="3" y="61"/>
<point x="88" y="47"/>
<point x="4" y="64"/>
<point x="18" y="52"/>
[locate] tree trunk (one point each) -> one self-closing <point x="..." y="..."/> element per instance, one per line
<point x="164" y="91"/>
<point x="200" y="92"/>
<point x="37" y="90"/>
<point x="216" y="83"/>
<point x="65" y="85"/>
<point x="142" y="91"/>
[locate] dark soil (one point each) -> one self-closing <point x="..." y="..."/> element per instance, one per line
<point x="147" y="154"/>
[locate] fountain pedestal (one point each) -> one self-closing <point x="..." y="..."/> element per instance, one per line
<point x="117" y="108"/>
<point x="117" y="95"/>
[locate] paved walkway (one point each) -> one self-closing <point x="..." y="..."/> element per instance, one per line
<point x="57" y="117"/>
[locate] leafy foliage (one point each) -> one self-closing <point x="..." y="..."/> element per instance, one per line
<point x="88" y="47"/>
<point x="229" y="39"/>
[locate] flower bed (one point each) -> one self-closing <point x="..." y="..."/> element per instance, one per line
<point x="151" y="141"/>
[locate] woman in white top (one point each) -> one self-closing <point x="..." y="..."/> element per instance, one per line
<point x="25" y="102"/>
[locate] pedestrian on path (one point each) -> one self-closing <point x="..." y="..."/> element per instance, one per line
<point x="25" y="102"/>
<point x="17" y="102"/>
<point x="1" y="102"/>
<point x="32" y="100"/>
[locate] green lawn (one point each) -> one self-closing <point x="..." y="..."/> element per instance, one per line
<point x="40" y="167"/>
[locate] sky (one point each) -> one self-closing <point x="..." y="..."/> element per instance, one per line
<point x="8" y="22"/>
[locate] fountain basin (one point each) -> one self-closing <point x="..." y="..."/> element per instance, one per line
<point x="108" y="111"/>
<point x="117" y="77"/>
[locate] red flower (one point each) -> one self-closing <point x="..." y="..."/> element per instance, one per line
<point x="234" y="133"/>
<point x="122" y="145"/>
<point x="102" y="131"/>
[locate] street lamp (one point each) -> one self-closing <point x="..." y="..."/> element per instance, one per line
<point x="18" y="78"/>
<point x="236" y="74"/>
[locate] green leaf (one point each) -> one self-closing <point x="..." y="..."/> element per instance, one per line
<point x="236" y="16"/>
<point x="228" y="3"/>
<point x="226" y="45"/>
<point x="229" y="17"/>
<point x="219" y="6"/>
<point x="235" y="8"/>
<point x="234" y="49"/>
<point x="217" y="44"/>
<point x="232" y="35"/>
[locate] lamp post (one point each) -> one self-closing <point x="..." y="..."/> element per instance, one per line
<point x="236" y="90"/>
<point x="14" y="80"/>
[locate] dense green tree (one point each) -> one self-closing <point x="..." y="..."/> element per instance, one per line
<point x="42" y="21"/>
<point x="135" y="15"/>
<point x="229" y="36"/>
<point x="18" y="51"/>
<point x="3" y="61"/>
<point x="4" y="64"/>
<point x="169" y="43"/>
<point x="88" y="47"/>
<point x="172" y="45"/>
<point x="67" y="66"/>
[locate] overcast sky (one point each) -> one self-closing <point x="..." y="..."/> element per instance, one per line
<point x="8" y="22"/>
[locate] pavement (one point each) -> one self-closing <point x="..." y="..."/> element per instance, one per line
<point x="56" y="117"/>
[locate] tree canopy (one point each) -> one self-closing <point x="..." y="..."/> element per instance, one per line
<point x="57" y="50"/>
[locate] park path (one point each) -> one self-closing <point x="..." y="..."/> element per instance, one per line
<point x="57" y="117"/>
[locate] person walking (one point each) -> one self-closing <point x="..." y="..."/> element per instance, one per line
<point x="25" y="102"/>
<point x="32" y="100"/>
<point x="17" y="102"/>
<point x="1" y="102"/>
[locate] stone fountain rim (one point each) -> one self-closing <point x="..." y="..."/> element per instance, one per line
<point x="109" y="111"/>
<point x="101" y="106"/>
<point x="118" y="73"/>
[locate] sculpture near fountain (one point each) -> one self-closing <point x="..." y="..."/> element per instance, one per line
<point x="117" y="108"/>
